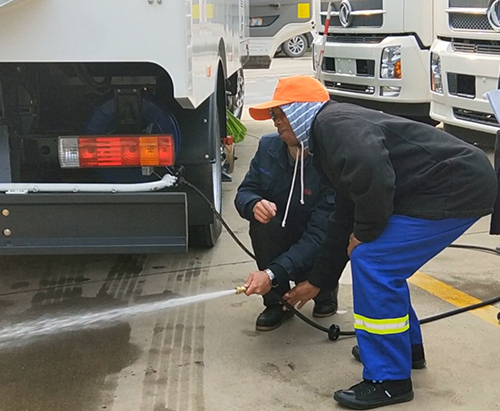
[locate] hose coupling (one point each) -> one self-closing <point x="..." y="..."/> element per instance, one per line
<point x="240" y="289"/>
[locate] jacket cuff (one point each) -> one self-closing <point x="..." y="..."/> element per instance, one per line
<point x="323" y="276"/>
<point x="279" y="272"/>
<point x="368" y="232"/>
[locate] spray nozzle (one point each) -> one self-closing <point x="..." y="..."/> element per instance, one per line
<point x="240" y="289"/>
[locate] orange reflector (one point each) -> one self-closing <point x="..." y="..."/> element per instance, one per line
<point x="126" y="151"/>
<point x="397" y="70"/>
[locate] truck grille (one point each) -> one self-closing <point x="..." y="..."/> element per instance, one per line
<point x="472" y="22"/>
<point x="372" y="13"/>
<point x="353" y="88"/>
<point x="475" y="117"/>
<point x="474" y="46"/>
<point x="357" y="21"/>
<point x="355" y="38"/>
<point x="469" y="3"/>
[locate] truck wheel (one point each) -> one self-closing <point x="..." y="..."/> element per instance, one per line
<point x="296" y="46"/>
<point x="235" y="99"/>
<point x="206" y="236"/>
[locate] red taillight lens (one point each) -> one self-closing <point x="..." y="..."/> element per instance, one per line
<point x="118" y="151"/>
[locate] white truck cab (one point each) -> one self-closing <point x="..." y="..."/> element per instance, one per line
<point x="465" y="63"/>
<point x="376" y="54"/>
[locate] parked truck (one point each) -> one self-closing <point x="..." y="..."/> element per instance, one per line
<point x="287" y="26"/>
<point x="103" y="106"/>
<point x="377" y="54"/>
<point x="465" y="63"/>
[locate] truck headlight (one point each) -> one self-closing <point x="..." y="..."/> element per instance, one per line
<point x="316" y="48"/>
<point x="436" y="78"/>
<point x="390" y="65"/>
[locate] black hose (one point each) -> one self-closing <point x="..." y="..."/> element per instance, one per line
<point x="334" y="331"/>
<point x="495" y="251"/>
<point x="460" y="310"/>
<point x="219" y="217"/>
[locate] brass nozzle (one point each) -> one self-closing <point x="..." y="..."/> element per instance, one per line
<point x="240" y="289"/>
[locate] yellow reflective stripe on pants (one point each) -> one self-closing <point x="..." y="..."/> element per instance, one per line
<point x="386" y="326"/>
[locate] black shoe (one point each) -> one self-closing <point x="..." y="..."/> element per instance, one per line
<point x="369" y="394"/>
<point x="272" y="317"/>
<point x="326" y="303"/>
<point x="417" y="356"/>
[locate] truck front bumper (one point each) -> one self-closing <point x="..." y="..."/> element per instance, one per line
<point x="460" y="106"/>
<point x="346" y="82"/>
<point x="84" y="223"/>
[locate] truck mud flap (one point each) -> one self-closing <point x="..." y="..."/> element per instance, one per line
<point x="93" y="223"/>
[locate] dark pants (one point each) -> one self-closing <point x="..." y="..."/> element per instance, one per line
<point x="270" y="241"/>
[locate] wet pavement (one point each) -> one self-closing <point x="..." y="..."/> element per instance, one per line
<point x="208" y="356"/>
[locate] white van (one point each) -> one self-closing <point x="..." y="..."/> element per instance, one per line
<point x="279" y="26"/>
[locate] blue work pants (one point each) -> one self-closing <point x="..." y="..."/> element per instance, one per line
<point x="385" y="322"/>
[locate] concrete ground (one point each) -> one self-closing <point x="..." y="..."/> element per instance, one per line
<point x="208" y="356"/>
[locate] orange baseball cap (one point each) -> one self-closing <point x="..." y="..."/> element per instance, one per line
<point x="295" y="89"/>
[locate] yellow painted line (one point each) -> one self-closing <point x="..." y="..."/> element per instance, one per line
<point x="453" y="296"/>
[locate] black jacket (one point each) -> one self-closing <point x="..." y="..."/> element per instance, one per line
<point x="382" y="165"/>
<point x="270" y="178"/>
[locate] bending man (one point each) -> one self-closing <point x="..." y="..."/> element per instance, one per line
<point x="404" y="192"/>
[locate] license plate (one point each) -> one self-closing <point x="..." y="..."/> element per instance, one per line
<point x="345" y="66"/>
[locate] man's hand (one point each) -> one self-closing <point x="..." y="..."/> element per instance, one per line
<point x="301" y="294"/>
<point x="258" y="282"/>
<point x="353" y="243"/>
<point x="264" y="210"/>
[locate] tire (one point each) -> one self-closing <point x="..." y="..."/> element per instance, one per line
<point x="235" y="101"/>
<point x="205" y="236"/>
<point x="295" y="47"/>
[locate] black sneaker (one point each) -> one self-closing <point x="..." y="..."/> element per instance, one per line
<point x="326" y="303"/>
<point x="369" y="394"/>
<point x="272" y="317"/>
<point x="417" y="356"/>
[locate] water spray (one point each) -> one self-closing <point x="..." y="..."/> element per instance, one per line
<point x="18" y="334"/>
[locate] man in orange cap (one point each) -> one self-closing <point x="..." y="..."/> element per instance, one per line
<point x="404" y="192"/>
<point x="287" y="219"/>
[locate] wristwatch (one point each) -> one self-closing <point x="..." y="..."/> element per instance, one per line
<point x="272" y="277"/>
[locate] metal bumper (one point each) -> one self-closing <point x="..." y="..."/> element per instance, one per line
<point x="93" y="223"/>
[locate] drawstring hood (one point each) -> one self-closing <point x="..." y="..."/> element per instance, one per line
<point x="300" y="116"/>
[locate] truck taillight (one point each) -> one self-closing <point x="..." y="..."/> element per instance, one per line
<point x="116" y="151"/>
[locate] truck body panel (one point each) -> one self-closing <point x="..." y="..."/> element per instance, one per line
<point x="127" y="31"/>
<point x="114" y="72"/>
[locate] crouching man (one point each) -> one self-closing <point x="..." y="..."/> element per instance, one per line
<point x="287" y="207"/>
